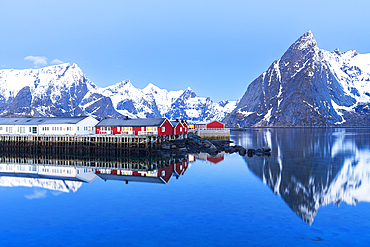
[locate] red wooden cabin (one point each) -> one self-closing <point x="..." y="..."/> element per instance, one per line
<point x="139" y="126"/>
<point x="215" y="125"/>
<point x="178" y="128"/>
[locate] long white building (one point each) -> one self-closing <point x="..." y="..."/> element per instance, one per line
<point x="48" y="125"/>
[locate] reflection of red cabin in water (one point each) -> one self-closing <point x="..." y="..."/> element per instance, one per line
<point x="207" y="157"/>
<point x="218" y="158"/>
<point x="180" y="168"/>
<point x="160" y="175"/>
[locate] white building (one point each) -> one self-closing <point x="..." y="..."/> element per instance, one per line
<point x="48" y="125"/>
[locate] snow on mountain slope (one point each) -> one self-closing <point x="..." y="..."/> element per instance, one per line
<point x="63" y="90"/>
<point x="162" y="97"/>
<point x="308" y="86"/>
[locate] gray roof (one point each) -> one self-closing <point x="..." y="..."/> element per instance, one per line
<point x="174" y="123"/>
<point x="132" y="178"/>
<point x="137" y="122"/>
<point x="39" y="120"/>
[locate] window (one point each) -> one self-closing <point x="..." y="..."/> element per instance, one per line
<point x="163" y="172"/>
<point x="180" y="129"/>
<point x="163" y="129"/>
<point x="34" y="130"/>
<point x="22" y="130"/>
<point x="1" y="128"/>
<point x="10" y="129"/>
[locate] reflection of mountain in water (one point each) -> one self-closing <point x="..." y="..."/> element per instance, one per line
<point x="310" y="168"/>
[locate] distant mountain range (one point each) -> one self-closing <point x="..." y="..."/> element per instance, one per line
<point x="308" y="86"/>
<point x="63" y="90"/>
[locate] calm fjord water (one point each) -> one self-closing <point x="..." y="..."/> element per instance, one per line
<point x="314" y="189"/>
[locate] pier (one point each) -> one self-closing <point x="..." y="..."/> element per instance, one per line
<point x="221" y="133"/>
<point x="82" y="144"/>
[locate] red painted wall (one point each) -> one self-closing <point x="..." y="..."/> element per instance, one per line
<point x="215" y="125"/>
<point x="177" y="129"/>
<point x="136" y="130"/>
<point x="168" y="128"/>
<point x="186" y="128"/>
<point x="167" y="173"/>
<point x="114" y="130"/>
<point x="216" y="159"/>
<point x="166" y="124"/>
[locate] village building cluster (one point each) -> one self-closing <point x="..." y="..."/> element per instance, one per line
<point x="86" y="125"/>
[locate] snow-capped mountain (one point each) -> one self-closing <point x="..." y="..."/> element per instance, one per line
<point x="327" y="167"/>
<point x="308" y="86"/>
<point x="63" y="90"/>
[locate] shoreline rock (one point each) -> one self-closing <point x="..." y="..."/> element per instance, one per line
<point x="194" y="144"/>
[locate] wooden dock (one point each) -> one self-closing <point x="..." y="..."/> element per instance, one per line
<point x="82" y="143"/>
<point x="213" y="133"/>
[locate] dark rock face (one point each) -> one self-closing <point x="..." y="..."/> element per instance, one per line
<point x="193" y="144"/>
<point x="127" y="105"/>
<point x="102" y="106"/>
<point x="303" y="88"/>
<point x="21" y="104"/>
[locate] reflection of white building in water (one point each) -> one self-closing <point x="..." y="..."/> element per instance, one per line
<point x="58" y="178"/>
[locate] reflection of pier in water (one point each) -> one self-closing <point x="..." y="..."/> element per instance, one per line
<point x="68" y="174"/>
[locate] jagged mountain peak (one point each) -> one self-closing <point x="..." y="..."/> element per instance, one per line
<point x="308" y="86"/>
<point x="151" y="88"/>
<point x="188" y="93"/>
<point x="306" y="41"/>
<point x="337" y="51"/>
<point x="119" y="87"/>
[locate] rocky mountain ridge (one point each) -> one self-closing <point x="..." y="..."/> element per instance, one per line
<point x="63" y="90"/>
<point x="308" y="86"/>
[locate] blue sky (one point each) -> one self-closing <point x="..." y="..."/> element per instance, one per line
<point x="215" y="47"/>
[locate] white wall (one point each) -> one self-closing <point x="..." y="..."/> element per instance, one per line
<point x="17" y="129"/>
<point x="86" y="126"/>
